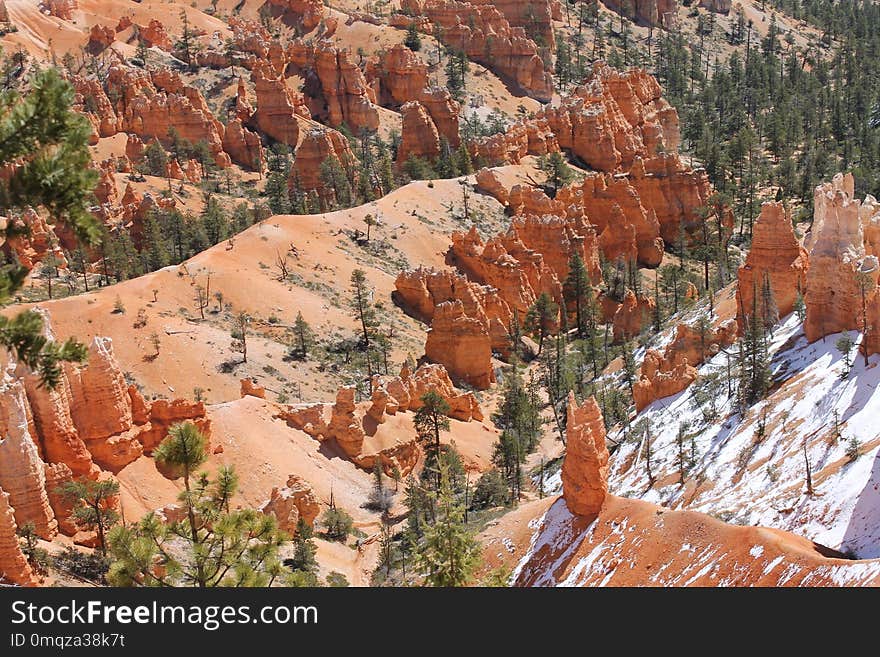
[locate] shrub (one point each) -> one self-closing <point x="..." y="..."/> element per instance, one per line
<point x="87" y="565"/>
<point x="337" y="524"/>
<point x="491" y="490"/>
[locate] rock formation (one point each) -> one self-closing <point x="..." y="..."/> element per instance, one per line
<point x="398" y="76"/>
<point x="462" y="344"/>
<point x="293" y="501"/>
<point x="14" y="567"/>
<point x="840" y="266"/>
<point x="775" y="260"/>
<point x="718" y="6"/>
<point x="150" y="105"/>
<point x="632" y="316"/>
<point x="487" y="37"/>
<point x="655" y="384"/>
<point x="101" y="37"/>
<point x="657" y="13"/>
<point x="666" y="374"/>
<point x="524" y="137"/>
<point x="306" y="13"/>
<point x="613" y="118"/>
<point x="536" y="18"/>
<point x="22" y="472"/>
<point x="60" y="8"/>
<point x="419" y="134"/>
<point x="344" y="88"/>
<point x="277" y="106"/>
<point x="585" y="468"/>
<point x="318" y="145"/>
<point x="444" y="111"/>
<point x="345" y="421"/>
<point x="154" y="34"/>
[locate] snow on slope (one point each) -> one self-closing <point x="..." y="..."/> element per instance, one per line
<point x="743" y="478"/>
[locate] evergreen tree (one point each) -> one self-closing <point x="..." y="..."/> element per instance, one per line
<point x="449" y="554"/>
<point x="303" y="336"/>
<point x="430" y="419"/>
<point x="557" y="171"/>
<point x="214" y="546"/>
<point x="542" y="318"/>
<point x="413" y="40"/>
<point x="93" y="505"/>
<point x="46" y="146"/>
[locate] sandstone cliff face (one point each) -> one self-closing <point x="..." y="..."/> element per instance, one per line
<point x="444" y="112"/>
<point x="306" y="13"/>
<point x="155" y="34"/>
<point x="60" y="8"/>
<point x="656" y="384"/>
<point x="840" y="267"/>
<point x="775" y="259"/>
<point x="348" y="97"/>
<point x="398" y="76"/>
<point x="14" y="567"/>
<point x="462" y="344"/>
<point x="419" y="134"/>
<point x="524" y="137"/>
<point x="150" y="106"/>
<point x="585" y="468"/>
<point x="244" y="146"/>
<point x="276" y="106"/>
<point x="613" y="118"/>
<point x="22" y="473"/>
<point x="650" y="12"/>
<point x="33" y="247"/>
<point x="319" y="144"/>
<point x="488" y="38"/>
<point x="91" y="420"/>
<point x="536" y="18"/>
<point x="291" y="502"/>
<point x="632" y="316"/>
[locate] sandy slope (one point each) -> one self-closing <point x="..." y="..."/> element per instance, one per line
<point x="244" y="270"/>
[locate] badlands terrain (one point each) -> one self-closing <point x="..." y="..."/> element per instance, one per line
<point x="318" y="218"/>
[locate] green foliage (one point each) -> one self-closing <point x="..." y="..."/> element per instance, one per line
<point x="303" y="338"/>
<point x="449" y="554"/>
<point x="490" y="491"/>
<point x="90" y="566"/>
<point x="542" y="318"/>
<point x="336" y="579"/>
<point x="337" y="523"/>
<point x="93" y="503"/>
<point x="37" y="557"/>
<point x="214" y="546"/>
<point x="49" y="145"/>
<point x="845" y="345"/>
<point x="413" y="40"/>
<point x="381" y="497"/>
<point x="430" y="420"/>
<point x="558" y="173"/>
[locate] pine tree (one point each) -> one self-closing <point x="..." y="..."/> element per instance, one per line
<point x="413" y="40"/>
<point x="579" y="293"/>
<point x="363" y="310"/>
<point x="430" y="419"/>
<point x="45" y="145"/>
<point x="449" y="554"/>
<point x="303" y="336"/>
<point x="542" y="318"/>
<point x="214" y="546"/>
<point x="557" y="171"/>
<point x="94" y="503"/>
